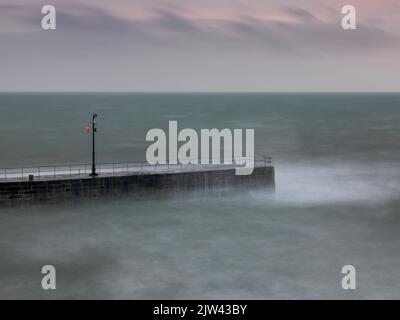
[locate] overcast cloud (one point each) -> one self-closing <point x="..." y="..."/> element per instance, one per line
<point x="198" y="45"/>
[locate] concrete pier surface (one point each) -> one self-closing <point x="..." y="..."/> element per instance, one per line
<point x="63" y="182"/>
<point x="114" y="169"/>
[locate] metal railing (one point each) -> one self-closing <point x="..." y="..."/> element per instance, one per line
<point x="112" y="169"/>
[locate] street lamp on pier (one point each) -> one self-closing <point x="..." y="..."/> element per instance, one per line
<point x="94" y="130"/>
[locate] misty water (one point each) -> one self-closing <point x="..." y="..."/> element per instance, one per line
<point x="337" y="200"/>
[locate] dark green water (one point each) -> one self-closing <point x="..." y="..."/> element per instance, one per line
<point x="337" y="200"/>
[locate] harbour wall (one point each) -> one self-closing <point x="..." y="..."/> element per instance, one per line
<point x="14" y="192"/>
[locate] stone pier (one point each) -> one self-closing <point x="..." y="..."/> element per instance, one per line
<point x="55" y="188"/>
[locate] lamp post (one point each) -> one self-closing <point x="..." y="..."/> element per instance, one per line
<point x="93" y="174"/>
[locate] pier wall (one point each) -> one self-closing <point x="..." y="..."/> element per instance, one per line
<point x="54" y="189"/>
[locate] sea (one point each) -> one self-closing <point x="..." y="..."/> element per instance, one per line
<point x="336" y="203"/>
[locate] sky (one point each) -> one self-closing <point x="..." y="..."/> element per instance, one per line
<point x="200" y="45"/>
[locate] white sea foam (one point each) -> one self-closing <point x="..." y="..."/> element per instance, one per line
<point x="339" y="183"/>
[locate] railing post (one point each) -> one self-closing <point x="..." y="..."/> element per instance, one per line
<point x="22" y="174"/>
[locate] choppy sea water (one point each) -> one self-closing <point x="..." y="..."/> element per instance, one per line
<point x="337" y="200"/>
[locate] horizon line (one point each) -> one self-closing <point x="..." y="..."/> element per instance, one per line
<point x="198" y="92"/>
